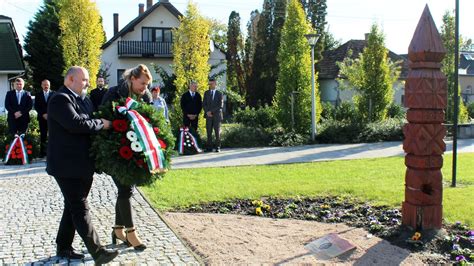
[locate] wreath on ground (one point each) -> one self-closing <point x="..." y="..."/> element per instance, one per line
<point x="138" y="147"/>
<point x="20" y="149"/>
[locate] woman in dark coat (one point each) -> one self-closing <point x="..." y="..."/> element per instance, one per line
<point x="134" y="85"/>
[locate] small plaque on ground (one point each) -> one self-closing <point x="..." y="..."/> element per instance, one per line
<point x="329" y="246"/>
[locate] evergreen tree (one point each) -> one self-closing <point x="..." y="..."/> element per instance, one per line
<point x="295" y="72"/>
<point x="190" y="56"/>
<point x="447" y="35"/>
<point x="235" y="73"/>
<point x="316" y="14"/>
<point x="82" y="35"/>
<point x="249" y="52"/>
<point x="373" y="76"/>
<point x="43" y="47"/>
<point x="265" y="66"/>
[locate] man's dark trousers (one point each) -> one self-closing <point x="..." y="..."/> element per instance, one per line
<point x="76" y="214"/>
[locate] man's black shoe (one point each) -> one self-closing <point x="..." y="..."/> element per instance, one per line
<point x="218" y="149"/>
<point x="70" y="254"/>
<point x="104" y="256"/>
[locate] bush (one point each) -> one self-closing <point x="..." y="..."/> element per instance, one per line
<point x="396" y="111"/>
<point x="328" y="110"/>
<point x="282" y="138"/>
<point x="346" y="112"/>
<point x="387" y="130"/>
<point x="335" y="131"/>
<point x="263" y="117"/>
<point x="470" y="110"/>
<point x="238" y="135"/>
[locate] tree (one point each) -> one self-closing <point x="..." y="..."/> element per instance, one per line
<point x="265" y="66"/>
<point x="447" y="35"/>
<point x="295" y="72"/>
<point x="373" y="76"/>
<point x="43" y="47"/>
<point x="316" y="14"/>
<point x="190" y="56"/>
<point x="235" y="47"/>
<point x="82" y="35"/>
<point x="249" y="52"/>
<point x="218" y="33"/>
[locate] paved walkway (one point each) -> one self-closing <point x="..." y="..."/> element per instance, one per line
<point x="31" y="203"/>
<point x="301" y="154"/>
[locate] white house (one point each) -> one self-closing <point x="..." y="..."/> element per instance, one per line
<point x="148" y="39"/>
<point x="11" y="58"/>
<point x="328" y="73"/>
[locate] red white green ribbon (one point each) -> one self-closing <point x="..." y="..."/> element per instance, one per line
<point x="183" y="132"/>
<point x="18" y="138"/>
<point x="146" y="136"/>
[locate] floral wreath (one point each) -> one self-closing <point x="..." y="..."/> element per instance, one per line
<point x="20" y="149"/>
<point x="138" y="147"/>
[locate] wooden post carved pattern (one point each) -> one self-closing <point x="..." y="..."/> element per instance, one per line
<point x="426" y="98"/>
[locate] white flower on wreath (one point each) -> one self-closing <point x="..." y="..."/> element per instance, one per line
<point x="132" y="136"/>
<point x="136" y="146"/>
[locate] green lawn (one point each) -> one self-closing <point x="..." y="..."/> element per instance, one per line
<point x="380" y="181"/>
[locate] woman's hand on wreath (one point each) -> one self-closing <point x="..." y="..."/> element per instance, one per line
<point x="106" y="123"/>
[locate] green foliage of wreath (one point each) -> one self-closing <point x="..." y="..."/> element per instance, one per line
<point x="131" y="169"/>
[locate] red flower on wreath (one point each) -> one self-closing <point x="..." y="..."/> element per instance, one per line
<point x="126" y="152"/>
<point x="29" y="152"/>
<point x="120" y="125"/>
<point x="157" y="130"/>
<point x="29" y="147"/>
<point x="162" y="143"/>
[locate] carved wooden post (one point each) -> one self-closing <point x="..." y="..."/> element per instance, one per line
<point x="426" y="98"/>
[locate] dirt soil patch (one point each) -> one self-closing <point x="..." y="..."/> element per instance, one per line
<point x="245" y="231"/>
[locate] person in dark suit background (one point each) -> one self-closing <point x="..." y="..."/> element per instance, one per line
<point x="41" y="104"/>
<point x="191" y="104"/>
<point x="98" y="93"/>
<point x="212" y="104"/>
<point x="69" y="162"/>
<point x="18" y="103"/>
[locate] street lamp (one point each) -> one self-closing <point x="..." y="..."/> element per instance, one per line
<point x="312" y="40"/>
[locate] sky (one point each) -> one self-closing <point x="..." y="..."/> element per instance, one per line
<point x="347" y="19"/>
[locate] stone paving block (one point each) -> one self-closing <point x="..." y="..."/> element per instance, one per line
<point x="33" y="210"/>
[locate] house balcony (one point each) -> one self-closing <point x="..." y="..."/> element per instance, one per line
<point x="144" y="49"/>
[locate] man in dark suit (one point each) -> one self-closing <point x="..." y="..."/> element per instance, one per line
<point x="70" y="126"/>
<point x="41" y="104"/>
<point x="191" y="104"/>
<point x="98" y="93"/>
<point x="18" y="104"/>
<point x="212" y="104"/>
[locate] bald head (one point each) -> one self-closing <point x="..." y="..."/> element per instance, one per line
<point x="77" y="79"/>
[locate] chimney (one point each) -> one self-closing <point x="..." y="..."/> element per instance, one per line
<point x="149" y="3"/>
<point x="366" y="36"/>
<point x="116" y="25"/>
<point x="141" y="9"/>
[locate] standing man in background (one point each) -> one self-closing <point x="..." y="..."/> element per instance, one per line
<point x="191" y="104"/>
<point x="212" y="105"/>
<point x="18" y="103"/>
<point x="41" y="107"/>
<point x="98" y="93"/>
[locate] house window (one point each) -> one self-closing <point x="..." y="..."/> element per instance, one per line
<point x="119" y="75"/>
<point x="156" y="34"/>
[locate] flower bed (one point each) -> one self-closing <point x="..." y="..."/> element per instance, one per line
<point x="456" y="246"/>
